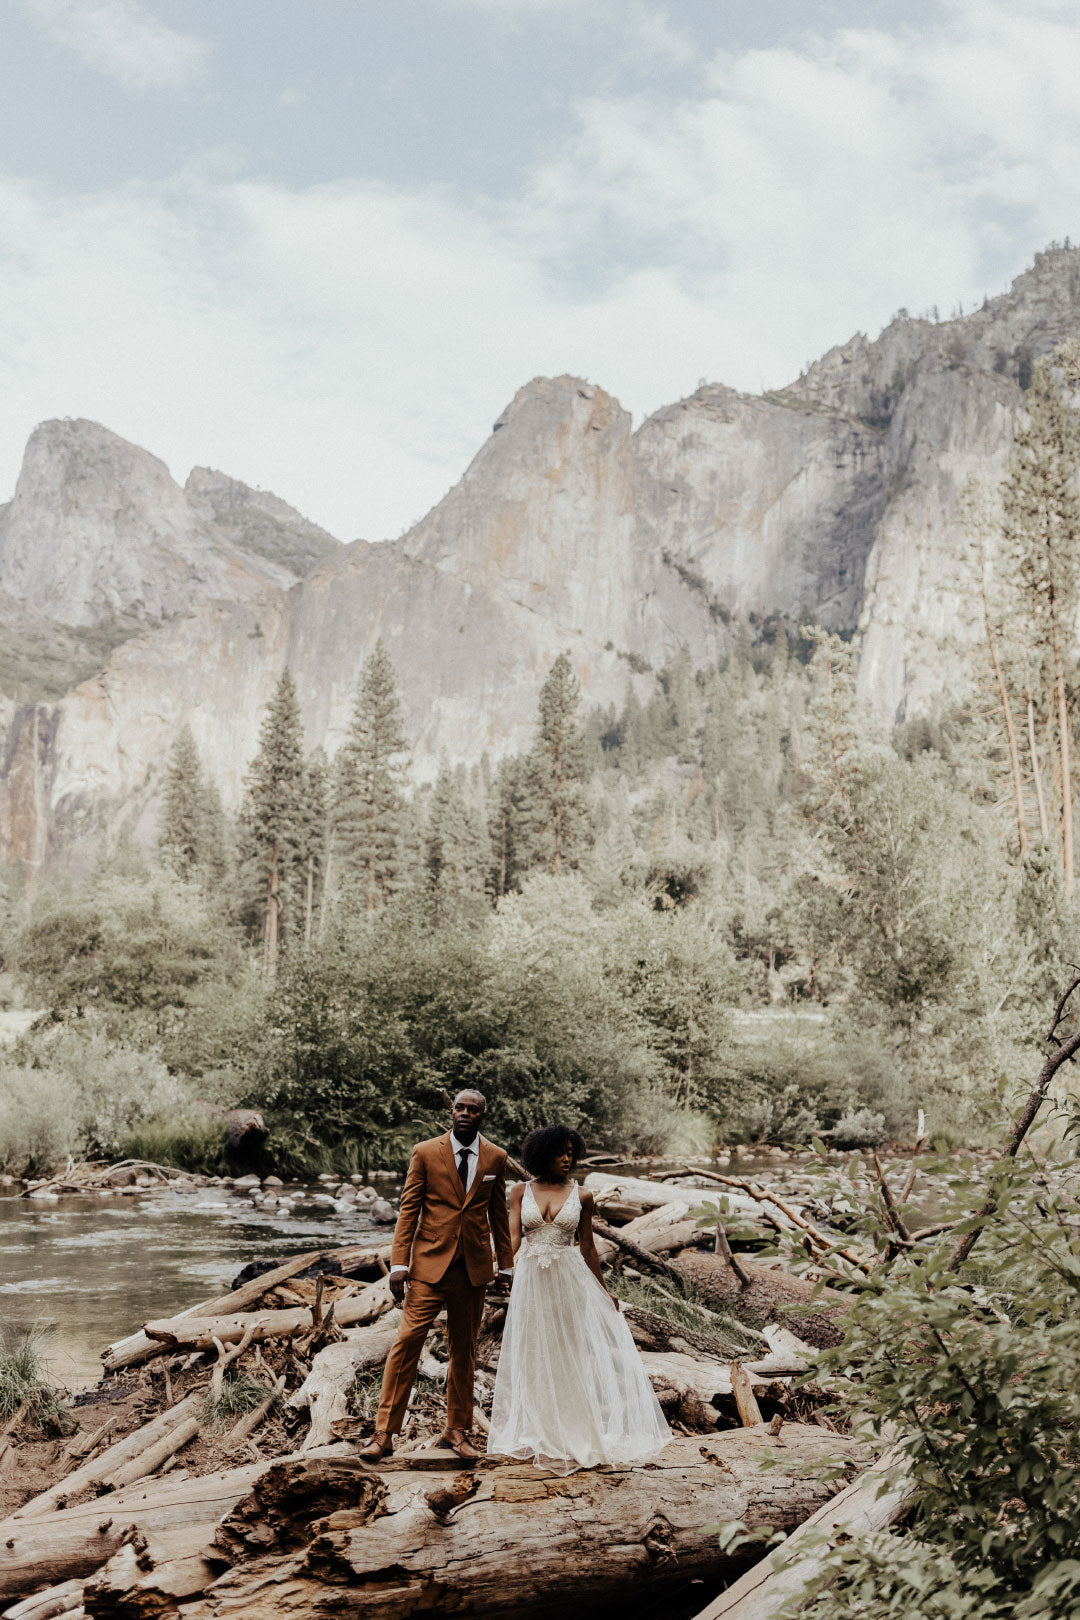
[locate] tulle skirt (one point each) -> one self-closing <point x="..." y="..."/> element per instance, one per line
<point x="571" y="1391"/>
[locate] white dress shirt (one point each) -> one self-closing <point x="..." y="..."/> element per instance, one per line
<point x="473" y="1150"/>
<point x="457" y="1149"/>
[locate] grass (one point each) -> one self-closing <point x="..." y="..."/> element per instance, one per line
<point x="25" y="1381"/>
<point x="238" y="1395"/>
<point x="189" y="1144"/>
<point x="683" y="1310"/>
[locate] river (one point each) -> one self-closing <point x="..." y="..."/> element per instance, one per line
<point x="97" y="1268"/>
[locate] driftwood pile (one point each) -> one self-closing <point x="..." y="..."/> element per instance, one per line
<point x="159" y="1507"/>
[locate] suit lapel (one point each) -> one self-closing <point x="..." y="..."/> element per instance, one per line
<point x="483" y="1162"/>
<point x="451" y="1167"/>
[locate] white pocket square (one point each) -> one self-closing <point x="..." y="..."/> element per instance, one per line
<point x="491" y="1177"/>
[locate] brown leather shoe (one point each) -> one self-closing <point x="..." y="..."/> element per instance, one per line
<point x="455" y="1439"/>
<point x="379" y="1446"/>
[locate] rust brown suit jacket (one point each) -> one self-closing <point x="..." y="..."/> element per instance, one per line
<point x="435" y="1216"/>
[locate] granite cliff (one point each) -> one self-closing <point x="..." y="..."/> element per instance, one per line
<point x="830" y="500"/>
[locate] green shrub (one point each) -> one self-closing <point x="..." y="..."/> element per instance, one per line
<point x="190" y="1143"/>
<point x="26" y="1381"/>
<point x="73" y="1091"/>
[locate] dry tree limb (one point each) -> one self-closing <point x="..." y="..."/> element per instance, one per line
<point x="225" y="1358"/>
<point x="99" y="1467"/>
<point x="1064" y="1052"/>
<point x="763" y="1196"/>
<point x="748" y="1409"/>
<point x="140" y="1347"/>
<point x="722" y="1246"/>
<point x="913" y="1170"/>
<point x="892" y="1214"/>
<point x="648" y="1262"/>
<point x="83" y="1443"/>
<point x="151" y="1458"/>
<point x="871" y="1503"/>
<point x="201" y="1332"/>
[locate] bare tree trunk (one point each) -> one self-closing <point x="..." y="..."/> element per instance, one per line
<point x="325" y="897"/>
<point x="1036" y="771"/>
<point x="309" y="901"/>
<point x="270" y="927"/>
<point x="1066" y="779"/>
<point x="1006" y="706"/>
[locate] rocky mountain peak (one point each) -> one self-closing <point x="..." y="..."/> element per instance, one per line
<point x="258" y="522"/>
<point x="544" y="512"/>
<point x="98" y="533"/>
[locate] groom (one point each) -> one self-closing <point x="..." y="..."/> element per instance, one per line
<point x="452" y="1205"/>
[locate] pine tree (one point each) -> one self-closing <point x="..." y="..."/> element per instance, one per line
<point x="369" y="790"/>
<point x="1042" y="525"/>
<point x="183" y="813"/>
<point x="457" y="853"/>
<point x="508" y="828"/>
<point x="556" y="774"/>
<point x="272" y="816"/>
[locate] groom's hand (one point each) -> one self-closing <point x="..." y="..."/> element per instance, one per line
<point x="398" y="1280"/>
<point x="502" y="1282"/>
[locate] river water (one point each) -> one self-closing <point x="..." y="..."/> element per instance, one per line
<point x="97" y="1268"/>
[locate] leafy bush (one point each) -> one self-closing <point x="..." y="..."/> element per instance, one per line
<point x="978" y="1370"/>
<point x="74" y="1091"/>
<point x="859" y="1128"/>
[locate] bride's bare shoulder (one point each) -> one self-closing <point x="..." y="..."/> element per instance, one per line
<point x="588" y="1202"/>
<point x="517" y="1192"/>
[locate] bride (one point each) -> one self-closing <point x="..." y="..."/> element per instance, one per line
<point x="571" y="1391"/>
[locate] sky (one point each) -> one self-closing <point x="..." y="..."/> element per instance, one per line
<point x="319" y="244"/>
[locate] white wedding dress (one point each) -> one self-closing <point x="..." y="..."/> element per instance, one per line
<point x="571" y="1390"/>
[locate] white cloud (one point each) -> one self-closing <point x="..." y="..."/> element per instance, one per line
<point x="349" y="345"/>
<point x="122" y="40"/>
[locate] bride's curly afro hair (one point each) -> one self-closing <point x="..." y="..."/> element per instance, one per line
<point x="541" y="1146"/>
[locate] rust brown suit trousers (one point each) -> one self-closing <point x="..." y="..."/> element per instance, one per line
<point x="444" y="1236"/>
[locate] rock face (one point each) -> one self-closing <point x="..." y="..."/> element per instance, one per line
<point x="831" y="501"/>
<point x="98" y="532"/>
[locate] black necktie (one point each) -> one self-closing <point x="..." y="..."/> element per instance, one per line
<point x="463" y="1167"/>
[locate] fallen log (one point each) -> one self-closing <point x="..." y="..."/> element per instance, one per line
<point x="502" y="1540"/>
<point x="871" y="1503"/>
<point x="71" y="1543"/>
<point x="771" y="1295"/>
<point x="653" y="1194"/>
<point x="139" y="1347"/>
<point x="149" y="1575"/>
<point x="151" y="1458"/>
<point x="201" y="1333"/>
<point x="325" y="1389"/>
<point x="98" y="1468"/>
<point x="55" y="1600"/>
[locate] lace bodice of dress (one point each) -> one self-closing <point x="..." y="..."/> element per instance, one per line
<point x="542" y="1239"/>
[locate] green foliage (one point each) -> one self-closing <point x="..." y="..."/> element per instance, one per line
<point x="978" y="1369"/>
<point x="138" y="944"/>
<point x="26" y="1381"/>
<point x="370" y="786"/>
<point x="272" y="820"/>
<point x="193" y="1142"/>
<point x="555" y="810"/>
<point x="72" y="1090"/>
<point x="191" y="838"/>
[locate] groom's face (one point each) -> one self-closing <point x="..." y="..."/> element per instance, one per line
<point x="467" y="1115"/>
